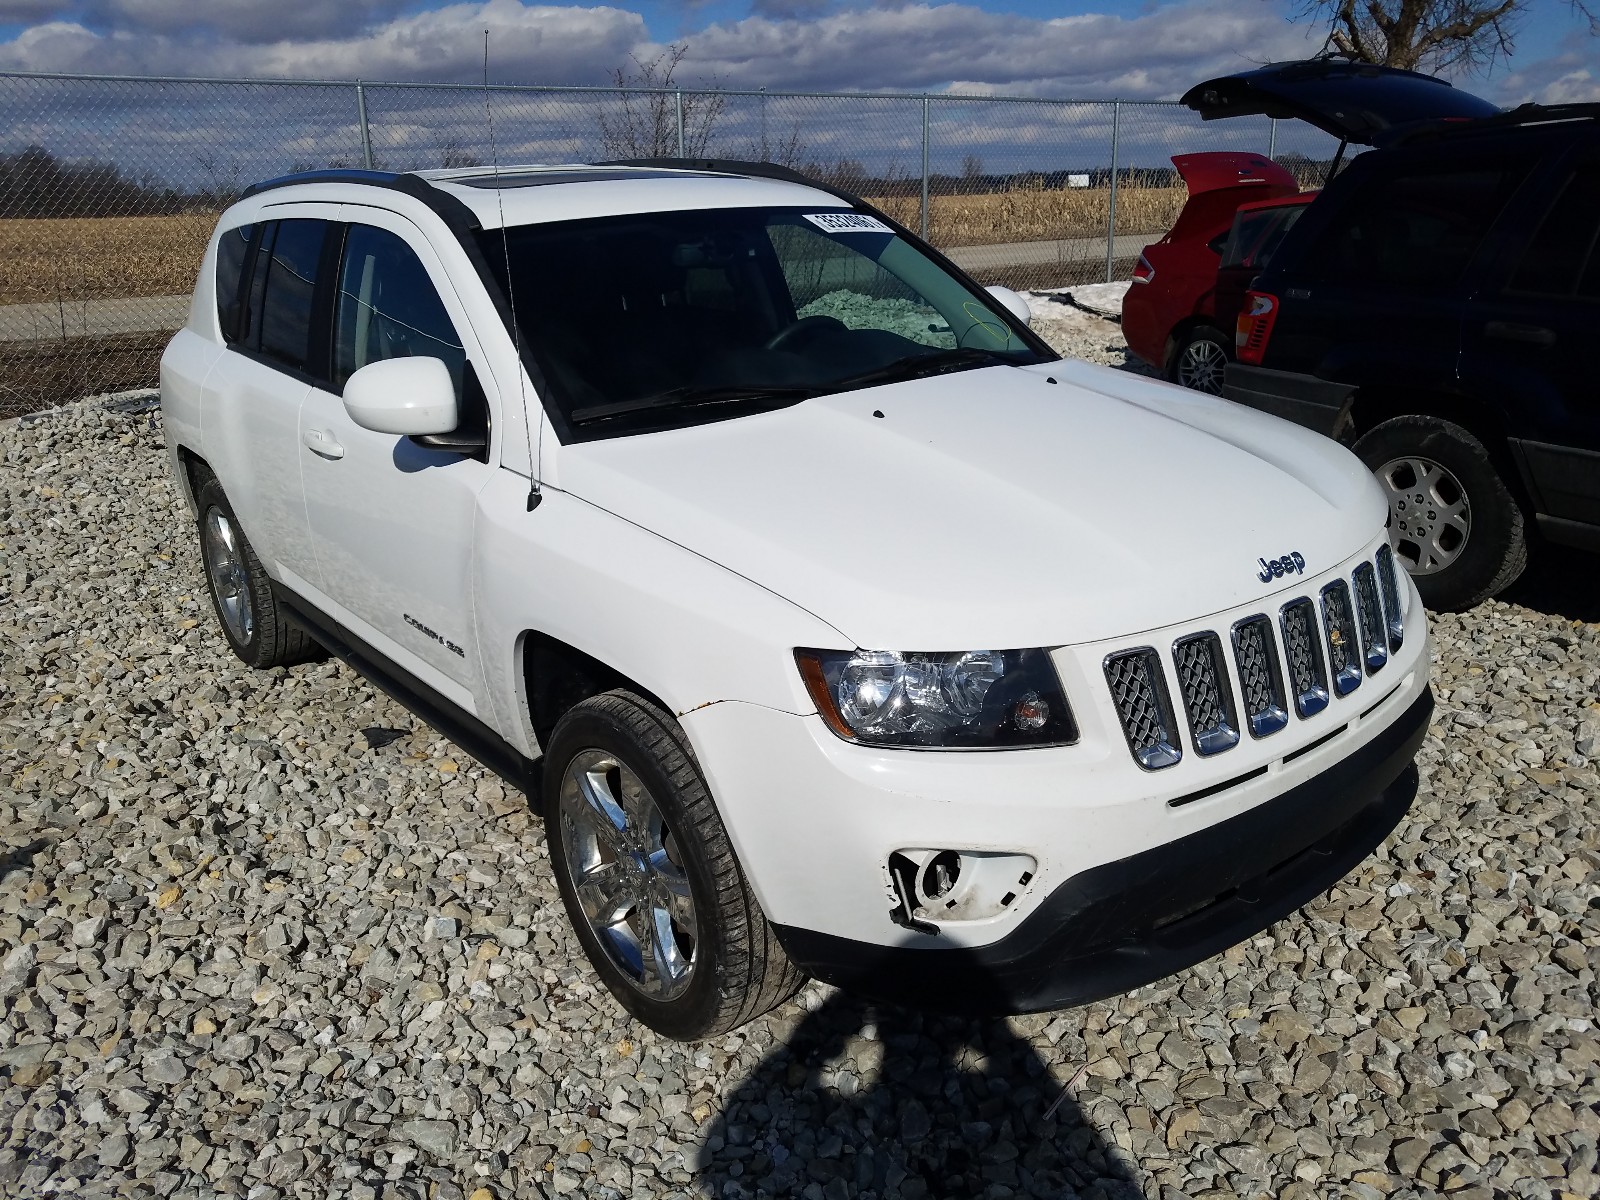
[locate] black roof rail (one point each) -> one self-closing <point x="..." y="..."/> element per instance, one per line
<point x="326" y="175"/>
<point x="739" y="166"/>
<point x="1511" y="118"/>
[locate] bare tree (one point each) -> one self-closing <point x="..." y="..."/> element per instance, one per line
<point x="788" y="151"/>
<point x="454" y="154"/>
<point x="1432" y="35"/>
<point x="643" y="121"/>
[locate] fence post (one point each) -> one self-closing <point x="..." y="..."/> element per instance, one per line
<point x="366" y="133"/>
<point x="1272" y="139"/>
<point x="677" y="100"/>
<point x="923" y="219"/>
<point x="1111" y="216"/>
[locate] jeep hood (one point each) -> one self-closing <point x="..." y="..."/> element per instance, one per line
<point x="993" y="508"/>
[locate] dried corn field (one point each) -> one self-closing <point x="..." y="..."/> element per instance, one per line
<point x="95" y="258"/>
<point x="115" y="257"/>
<point x="1038" y="214"/>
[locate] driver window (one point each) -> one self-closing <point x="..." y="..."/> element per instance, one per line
<point x="388" y="308"/>
<point x="829" y="278"/>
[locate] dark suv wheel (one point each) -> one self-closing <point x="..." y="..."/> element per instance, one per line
<point x="1453" y="522"/>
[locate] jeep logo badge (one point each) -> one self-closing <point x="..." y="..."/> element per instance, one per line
<point x="1275" y="568"/>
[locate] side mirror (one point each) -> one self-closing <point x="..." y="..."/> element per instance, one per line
<point x="406" y="396"/>
<point x="1014" y="304"/>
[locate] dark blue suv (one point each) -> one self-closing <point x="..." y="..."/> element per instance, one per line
<point x="1434" y="308"/>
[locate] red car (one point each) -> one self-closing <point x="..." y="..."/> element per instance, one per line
<point x="1180" y="313"/>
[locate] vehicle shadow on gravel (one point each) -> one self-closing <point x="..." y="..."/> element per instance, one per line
<point x="871" y="1100"/>
<point x="1559" y="582"/>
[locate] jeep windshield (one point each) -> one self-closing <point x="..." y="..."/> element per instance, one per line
<point x="659" y="319"/>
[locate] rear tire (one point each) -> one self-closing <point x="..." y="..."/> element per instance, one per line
<point x="1453" y="522"/>
<point x="649" y="876"/>
<point x="257" y="628"/>
<point x="1199" y="360"/>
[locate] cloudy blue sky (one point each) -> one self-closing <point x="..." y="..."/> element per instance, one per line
<point x="1137" y="49"/>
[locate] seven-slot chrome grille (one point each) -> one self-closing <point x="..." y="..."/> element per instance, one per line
<point x="1348" y="631"/>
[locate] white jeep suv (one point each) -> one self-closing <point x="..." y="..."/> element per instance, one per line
<point x="836" y="625"/>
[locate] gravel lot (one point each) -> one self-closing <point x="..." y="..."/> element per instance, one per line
<point x="264" y="935"/>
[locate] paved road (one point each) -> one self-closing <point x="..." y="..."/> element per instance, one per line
<point x="1044" y="254"/>
<point x="91" y="318"/>
<point x="99" y="318"/>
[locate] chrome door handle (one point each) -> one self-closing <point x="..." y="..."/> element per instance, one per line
<point x="323" y="443"/>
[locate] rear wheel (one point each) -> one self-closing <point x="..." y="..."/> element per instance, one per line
<point x="257" y="628"/>
<point x="1453" y="522"/>
<point x="1199" y="361"/>
<point x="649" y="876"/>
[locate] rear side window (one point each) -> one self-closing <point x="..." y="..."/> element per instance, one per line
<point x="1560" y="259"/>
<point x="233" y="247"/>
<point x="291" y="284"/>
<point x="1256" y="235"/>
<point x="388" y="308"/>
<point x="1414" y="230"/>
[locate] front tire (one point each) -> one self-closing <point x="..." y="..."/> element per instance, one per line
<point x="1200" y="360"/>
<point x="649" y="876"/>
<point x="257" y="628"/>
<point x="1453" y="522"/>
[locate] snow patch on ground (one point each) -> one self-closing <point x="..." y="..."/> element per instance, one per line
<point x="1076" y="333"/>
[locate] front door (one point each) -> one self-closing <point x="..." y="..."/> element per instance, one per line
<point x="393" y="521"/>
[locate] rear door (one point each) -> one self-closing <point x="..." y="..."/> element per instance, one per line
<point x="1376" y="291"/>
<point x="1529" y="344"/>
<point x="251" y="421"/>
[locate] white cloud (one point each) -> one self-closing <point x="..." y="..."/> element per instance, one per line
<point x="245" y="20"/>
<point x="20" y="11"/>
<point x="535" y="43"/>
<point x="786" y="43"/>
<point x="920" y="46"/>
<point x="1570" y="76"/>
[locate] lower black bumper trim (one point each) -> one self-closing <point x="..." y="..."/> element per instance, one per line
<point x="1127" y="923"/>
<point x="1317" y="404"/>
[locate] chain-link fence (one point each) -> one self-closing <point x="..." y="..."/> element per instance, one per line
<point x="110" y="186"/>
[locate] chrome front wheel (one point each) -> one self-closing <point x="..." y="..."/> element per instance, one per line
<point x="624" y="866"/>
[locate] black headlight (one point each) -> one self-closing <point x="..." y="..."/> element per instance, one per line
<point x="973" y="699"/>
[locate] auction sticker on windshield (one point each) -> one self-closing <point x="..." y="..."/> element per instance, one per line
<point x="847" y="222"/>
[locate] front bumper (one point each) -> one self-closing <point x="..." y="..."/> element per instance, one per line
<point x="1130" y="922"/>
<point x="1318" y="404"/>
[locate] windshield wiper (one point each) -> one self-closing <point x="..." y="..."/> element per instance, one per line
<point x="689" y="396"/>
<point x="918" y="366"/>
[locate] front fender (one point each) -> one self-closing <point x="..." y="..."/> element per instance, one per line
<point x="689" y="631"/>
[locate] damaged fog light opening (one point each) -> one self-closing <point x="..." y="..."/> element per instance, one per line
<point x="931" y="887"/>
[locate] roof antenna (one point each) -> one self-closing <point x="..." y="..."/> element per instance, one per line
<point x="534" y="494"/>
